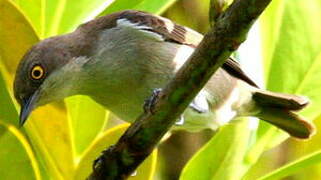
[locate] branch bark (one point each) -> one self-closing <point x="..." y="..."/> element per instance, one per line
<point x="230" y="30"/>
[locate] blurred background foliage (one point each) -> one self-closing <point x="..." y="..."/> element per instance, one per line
<point x="60" y="141"/>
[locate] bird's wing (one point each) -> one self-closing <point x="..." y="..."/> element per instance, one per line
<point x="179" y="34"/>
<point x="233" y="68"/>
<point x="164" y="28"/>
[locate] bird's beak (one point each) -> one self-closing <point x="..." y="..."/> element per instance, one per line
<point x="27" y="107"/>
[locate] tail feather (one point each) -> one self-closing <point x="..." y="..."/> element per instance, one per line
<point x="280" y="100"/>
<point x="278" y="109"/>
<point x="288" y="121"/>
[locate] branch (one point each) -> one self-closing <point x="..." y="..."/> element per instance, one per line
<point x="230" y="30"/>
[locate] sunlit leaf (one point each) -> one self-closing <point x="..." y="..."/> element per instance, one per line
<point x="88" y="119"/>
<point x="270" y="23"/>
<point x="292" y="57"/>
<point x="156" y="7"/>
<point x="8" y="112"/>
<point x="60" y="16"/>
<point x="17" y="160"/>
<point x="296" y="60"/>
<point x="33" y="12"/>
<point x="119" y="5"/>
<point x="64" y="16"/>
<point x="222" y="157"/>
<point x="294" y="167"/>
<point x="16" y="36"/>
<point x="110" y="137"/>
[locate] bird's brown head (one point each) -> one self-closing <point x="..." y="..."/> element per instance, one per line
<point x="34" y="69"/>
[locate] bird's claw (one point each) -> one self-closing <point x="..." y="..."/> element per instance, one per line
<point x="180" y="121"/>
<point x="150" y="102"/>
<point x="99" y="162"/>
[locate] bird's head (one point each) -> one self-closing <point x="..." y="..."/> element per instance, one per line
<point x="46" y="73"/>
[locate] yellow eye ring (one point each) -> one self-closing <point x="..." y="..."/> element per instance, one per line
<point x="37" y="72"/>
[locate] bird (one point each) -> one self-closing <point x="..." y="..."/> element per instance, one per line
<point x="120" y="59"/>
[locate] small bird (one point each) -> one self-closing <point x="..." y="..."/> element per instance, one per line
<point x="119" y="59"/>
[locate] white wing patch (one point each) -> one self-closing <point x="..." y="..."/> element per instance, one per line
<point x="182" y="54"/>
<point x="170" y="26"/>
<point x="226" y="112"/>
<point x="127" y="23"/>
<point x="200" y="103"/>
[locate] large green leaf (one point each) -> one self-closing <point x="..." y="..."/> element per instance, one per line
<point x="294" y="167"/>
<point x="64" y="16"/>
<point x="88" y="119"/>
<point x="222" y="157"/>
<point x="84" y="167"/>
<point x="52" y="17"/>
<point x="296" y="59"/>
<point x="119" y="5"/>
<point x="292" y="47"/>
<point x="8" y="112"/>
<point x="16" y="36"/>
<point x="14" y="148"/>
<point x="33" y="13"/>
<point x="156" y="7"/>
<point x="152" y="6"/>
<point x="17" y="160"/>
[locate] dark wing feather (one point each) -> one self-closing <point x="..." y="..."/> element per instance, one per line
<point x="234" y="69"/>
<point x="167" y="29"/>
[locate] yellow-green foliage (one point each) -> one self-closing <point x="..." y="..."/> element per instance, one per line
<point x="62" y="139"/>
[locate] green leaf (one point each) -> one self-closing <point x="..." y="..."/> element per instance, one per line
<point x="88" y="120"/>
<point x="152" y="6"/>
<point x="110" y="137"/>
<point x="155" y="7"/>
<point x="32" y="10"/>
<point x="16" y="36"/>
<point x="222" y="157"/>
<point x="294" y="167"/>
<point x="8" y="112"/>
<point x="297" y="58"/>
<point x="119" y="5"/>
<point x="60" y="16"/>
<point x="292" y="46"/>
<point x="16" y="155"/>
<point x="270" y="23"/>
<point x="70" y="14"/>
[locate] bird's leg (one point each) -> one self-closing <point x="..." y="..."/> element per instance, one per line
<point x="150" y="102"/>
<point x="99" y="162"/>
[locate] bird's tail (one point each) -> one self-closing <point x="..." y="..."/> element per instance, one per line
<point x="279" y="110"/>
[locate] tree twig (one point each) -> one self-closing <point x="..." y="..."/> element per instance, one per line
<point x="230" y="30"/>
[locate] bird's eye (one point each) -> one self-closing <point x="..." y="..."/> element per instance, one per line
<point x="37" y="72"/>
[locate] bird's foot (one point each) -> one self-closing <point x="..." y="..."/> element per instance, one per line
<point x="100" y="161"/>
<point x="150" y="102"/>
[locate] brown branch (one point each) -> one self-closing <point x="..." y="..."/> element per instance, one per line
<point x="230" y="30"/>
